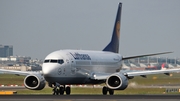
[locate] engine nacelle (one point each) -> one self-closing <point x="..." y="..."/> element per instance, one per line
<point x="34" y="82"/>
<point x="117" y="81"/>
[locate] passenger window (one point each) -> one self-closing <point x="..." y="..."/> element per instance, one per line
<point x="61" y="61"/>
<point x="46" y="61"/>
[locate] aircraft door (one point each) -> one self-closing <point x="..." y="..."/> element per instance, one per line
<point x="72" y="64"/>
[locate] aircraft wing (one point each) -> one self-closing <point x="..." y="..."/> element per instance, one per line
<point x="150" y="72"/>
<point x="104" y="76"/>
<point x="17" y="72"/>
<point x="132" y="57"/>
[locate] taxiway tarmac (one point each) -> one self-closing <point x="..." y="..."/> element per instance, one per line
<point x="90" y="97"/>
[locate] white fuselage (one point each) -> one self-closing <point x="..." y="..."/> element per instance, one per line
<point x="77" y="66"/>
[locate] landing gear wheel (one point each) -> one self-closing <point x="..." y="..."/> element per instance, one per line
<point x="68" y="90"/>
<point x="61" y="90"/>
<point x="55" y="91"/>
<point x="111" y="92"/>
<point x="104" y="90"/>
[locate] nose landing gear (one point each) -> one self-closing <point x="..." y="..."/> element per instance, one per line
<point x="60" y="90"/>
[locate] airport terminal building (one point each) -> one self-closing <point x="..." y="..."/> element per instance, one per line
<point x="6" y="50"/>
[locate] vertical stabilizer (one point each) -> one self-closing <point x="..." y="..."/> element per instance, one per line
<point x="163" y="66"/>
<point x="113" y="46"/>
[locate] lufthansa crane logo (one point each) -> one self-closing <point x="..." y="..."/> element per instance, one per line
<point x="118" y="29"/>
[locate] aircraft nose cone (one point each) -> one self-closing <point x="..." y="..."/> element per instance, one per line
<point x="48" y="69"/>
<point x="45" y="72"/>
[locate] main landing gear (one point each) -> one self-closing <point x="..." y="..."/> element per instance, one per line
<point x="106" y="89"/>
<point x="61" y="89"/>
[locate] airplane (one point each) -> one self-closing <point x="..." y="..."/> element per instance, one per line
<point x="66" y="67"/>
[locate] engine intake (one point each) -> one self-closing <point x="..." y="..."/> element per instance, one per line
<point x="117" y="81"/>
<point x="34" y="82"/>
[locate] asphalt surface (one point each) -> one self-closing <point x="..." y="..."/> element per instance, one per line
<point x="89" y="97"/>
<point x="85" y="97"/>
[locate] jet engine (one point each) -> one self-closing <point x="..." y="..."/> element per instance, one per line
<point x="34" y="82"/>
<point x="117" y="81"/>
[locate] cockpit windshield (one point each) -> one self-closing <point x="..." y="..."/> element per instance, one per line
<point x="45" y="61"/>
<point x="60" y="61"/>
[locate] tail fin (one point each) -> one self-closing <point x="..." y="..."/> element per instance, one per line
<point x="163" y="66"/>
<point x="113" y="46"/>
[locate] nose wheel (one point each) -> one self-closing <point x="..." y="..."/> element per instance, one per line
<point x="61" y="89"/>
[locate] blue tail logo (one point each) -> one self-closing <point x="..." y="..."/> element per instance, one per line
<point x="113" y="46"/>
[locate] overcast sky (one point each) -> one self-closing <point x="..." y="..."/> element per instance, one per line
<point x="37" y="27"/>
